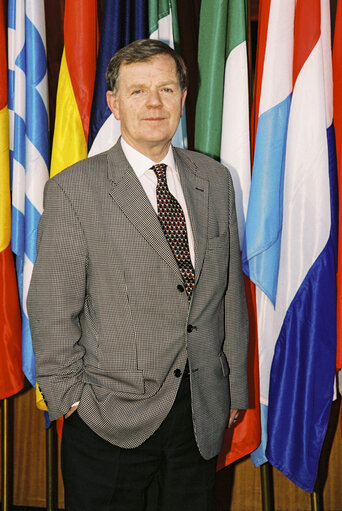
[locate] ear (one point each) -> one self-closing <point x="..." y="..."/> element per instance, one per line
<point x="184" y="94"/>
<point x="113" y="104"/>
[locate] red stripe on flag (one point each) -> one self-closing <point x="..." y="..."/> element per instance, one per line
<point x="337" y="76"/>
<point x="81" y="18"/>
<point x="307" y="30"/>
<point x="11" y="375"/>
<point x="264" y="12"/>
<point x="3" y="59"/>
<point x="245" y="436"/>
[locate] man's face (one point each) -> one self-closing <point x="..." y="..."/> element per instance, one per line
<point x="149" y="103"/>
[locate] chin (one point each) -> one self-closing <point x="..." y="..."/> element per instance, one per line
<point x="155" y="137"/>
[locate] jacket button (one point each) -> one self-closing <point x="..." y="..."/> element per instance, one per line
<point x="180" y="288"/>
<point x="190" y="328"/>
<point x="177" y="373"/>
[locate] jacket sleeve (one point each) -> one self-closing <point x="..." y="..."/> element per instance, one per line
<point x="55" y="300"/>
<point x="236" y="315"/>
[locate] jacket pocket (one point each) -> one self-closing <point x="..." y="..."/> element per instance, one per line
<point x="224" y="364"/>
<point x="218" y="242"/>
<point x="131" y="382"/>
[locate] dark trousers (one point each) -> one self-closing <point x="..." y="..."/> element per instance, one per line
<point x="99" y="476"/>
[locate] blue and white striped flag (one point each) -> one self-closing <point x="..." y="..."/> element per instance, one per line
<point x="163" y="25"/>
<point x="29" y="144"/>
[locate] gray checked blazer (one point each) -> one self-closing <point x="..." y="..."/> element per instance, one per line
<point x="110" y="323"/>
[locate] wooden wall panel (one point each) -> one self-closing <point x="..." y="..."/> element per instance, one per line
<point x="238" y="486"/>
<point x="29" y="452"/>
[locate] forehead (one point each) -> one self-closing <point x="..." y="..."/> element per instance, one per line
<point x="159" y="67"/>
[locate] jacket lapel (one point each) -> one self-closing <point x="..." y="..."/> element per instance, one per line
<point x="195" y="191"/>
<point x="131" y="198"/>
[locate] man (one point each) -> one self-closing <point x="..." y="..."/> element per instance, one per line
<point x="137" y="305"/>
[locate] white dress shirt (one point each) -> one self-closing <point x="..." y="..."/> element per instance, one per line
<point x="142" y="168"/>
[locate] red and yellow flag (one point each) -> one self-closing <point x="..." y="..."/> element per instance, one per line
<point x="75" y="84"/>
<point x="11" y="375"/>
<point x="75" y="88"/>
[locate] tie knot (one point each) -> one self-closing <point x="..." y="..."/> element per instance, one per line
<point x="160" y="171"/>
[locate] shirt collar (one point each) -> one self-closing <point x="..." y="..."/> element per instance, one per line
<point x="140" y="163"/>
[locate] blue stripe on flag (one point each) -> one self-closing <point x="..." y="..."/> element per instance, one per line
<point x="27" y="352"/>
<point x="20" y="61"/>
<point x="12" y="15"/>
<point x="19" y="153"/>
<point x="37" y="116"/>
<point x="18" y="229"/>
<point x="303" y="368"/>
<point x="32" y="217"/>
<point x="258" y="456"/>
<point x="122" y="23"/>
<point x="261" y="249"/>
<point x="10" y="101"/>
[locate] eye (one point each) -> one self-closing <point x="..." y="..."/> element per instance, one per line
<point x="136" y="92"/>
<point x="167" y="89"/>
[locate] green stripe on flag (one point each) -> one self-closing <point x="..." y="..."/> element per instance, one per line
<point x="236" y="24"/>
<point x="222" y="28"/>
<point x="159" y="9"/>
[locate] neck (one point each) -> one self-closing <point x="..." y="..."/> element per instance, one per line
<point x="155" y="153"/>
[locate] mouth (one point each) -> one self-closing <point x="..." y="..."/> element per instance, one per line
<point x="155" y="119"/>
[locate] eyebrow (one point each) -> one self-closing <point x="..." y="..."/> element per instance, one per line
<point x="143" y="85"/>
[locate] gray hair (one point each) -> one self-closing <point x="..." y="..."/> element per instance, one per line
<point x="141" y="51"/>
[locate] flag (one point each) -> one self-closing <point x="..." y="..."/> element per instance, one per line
<point x="75" y="90"/>
<point x="163" y="25"/>
<point x="123" y="21"/>
<point x="222" y="131"/>
<point x="11" y="375"/>
<point x="337" y="75"/>
<point x="301" y="314"/>
<point x="29" y="145"/>
<point x="75" y="84"/>
<point x="261" y="250"/>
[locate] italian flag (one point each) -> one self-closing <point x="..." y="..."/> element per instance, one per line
<point x="222" y="132"/>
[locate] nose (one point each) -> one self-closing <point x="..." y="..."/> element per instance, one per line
<point x="154" y="98"/>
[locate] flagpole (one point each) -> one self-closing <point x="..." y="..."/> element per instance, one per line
<point x="316" y="501"/>
<point x="266" y="487"/>
<point x="51" y="481"/>
<point x="4" y="457"/>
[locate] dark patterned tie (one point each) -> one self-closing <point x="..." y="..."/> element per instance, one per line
<point x="172" y="220"/>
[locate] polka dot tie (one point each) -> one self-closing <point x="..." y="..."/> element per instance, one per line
<point x="172" y="220"/>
